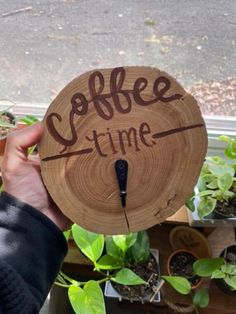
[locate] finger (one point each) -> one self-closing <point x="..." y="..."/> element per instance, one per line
<point x="18" y="143"/>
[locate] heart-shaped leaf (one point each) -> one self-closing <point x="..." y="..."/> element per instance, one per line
<point x="206" y="206"/>
<point x="201" y="298"/>
<point x="91" y="244"/>
<point x="204" y="267"/>
<point x="112" y="249"/>
<point x="108" y="262"/>
<point x="127" y="277"/>
<point x="140" y="250"/>
<point x="225" y="181"/>
<point x="180" y="284"/>
<point x="88" y="300"/>
<point x="125" y="241"/>
<point x="231" y="281"/>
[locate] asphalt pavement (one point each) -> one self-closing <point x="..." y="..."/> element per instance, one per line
<point x="45" y="44"/>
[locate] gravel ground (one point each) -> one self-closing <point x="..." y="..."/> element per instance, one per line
<point x="216" y="98"/>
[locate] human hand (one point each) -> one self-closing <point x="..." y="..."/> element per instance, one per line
<point x="21" y="174"/>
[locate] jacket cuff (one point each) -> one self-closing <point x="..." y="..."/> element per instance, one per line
<point x="32" y="246"/>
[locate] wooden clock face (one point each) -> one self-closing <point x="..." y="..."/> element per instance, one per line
<point x="137" y="114"/>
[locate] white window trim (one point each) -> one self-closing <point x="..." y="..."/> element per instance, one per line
<point x="216" y="125"/>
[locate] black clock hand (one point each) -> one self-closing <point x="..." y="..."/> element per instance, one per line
<point x="121" y="167"/>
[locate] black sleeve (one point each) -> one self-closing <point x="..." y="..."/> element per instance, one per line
<point x="32" y="249"/>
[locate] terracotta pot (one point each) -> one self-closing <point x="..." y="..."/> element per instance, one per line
<point x="170" y="259"/>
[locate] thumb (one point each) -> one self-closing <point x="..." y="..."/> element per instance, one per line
<point x="18" y="143"/>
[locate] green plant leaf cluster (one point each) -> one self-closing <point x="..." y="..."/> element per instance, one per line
<point x="111" y="253"/>
<point x="139" y="252"/>
<point x="217" y="180"/>
<point x="200" y="297"/>
<point x="216" y="268"/>
<point x="230" y="150"/>
<point x="29" y="120"/>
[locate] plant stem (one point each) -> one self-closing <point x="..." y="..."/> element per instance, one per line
<point x="68" y="278"/>
<point x="104" y="279"/>
<point x="31" y="150"/>
<point x="62" y="285"/>
<point x="80" y="283"/>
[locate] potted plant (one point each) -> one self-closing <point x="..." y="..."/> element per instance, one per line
<point x="125" y="260"/>
<point x="180" y="263"/>
<point x="7" y="123"/>
<point x="216" y="187"/>
<point x="223" y="269"/>
<point x="114" y="254"/>
<point x="141" y="260"/>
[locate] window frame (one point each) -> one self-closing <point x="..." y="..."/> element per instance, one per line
<point x="216" y="125"/>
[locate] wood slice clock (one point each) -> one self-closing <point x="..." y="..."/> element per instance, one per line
<point x="137" y="116"/>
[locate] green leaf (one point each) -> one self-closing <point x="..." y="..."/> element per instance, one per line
<point x="67" y="234"/>
<point x="89" y="300"/>
<point x="131" y="239"/>
<point x="180" y="284"/>
<point x="213" y="184"/>
<point x="29" y="120"/>
<point x="127" y="277"/>
<point x="201" y="184"/>
<point x="224" y="182"/>
<point x="120" y="242"/>
<point x="231" y="281"/>
<point x="125" y="241"/>
<point x="206" y="206"/>
<point x="217" y="274"/>
<point x="205" y="193"/>
<point x="112" y="249"/>
<point x="73" y="293"/>
<point x="208" y="177"/>
<point x="224" y="138"/>
<point x="230" y="151"/>
<point x="201" y="298"/>
<point x="229" y="269"/>
<point x="220" y="170"/>
<point x="139" y="252"/>
<point x="91" y="244"/>
<point x="190" y="204"/>
<point x="226" y="195"/>
<point x="204" y="267"/>
<point x="108" y="262"/>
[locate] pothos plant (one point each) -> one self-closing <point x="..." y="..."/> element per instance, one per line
<point x="212" y="268"/>
<point x="113" y="254"/>
<point x="217" y="268"/>
<point x="217" y="182"/>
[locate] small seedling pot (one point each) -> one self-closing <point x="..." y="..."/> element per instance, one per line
<point x="180" y="263"/>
